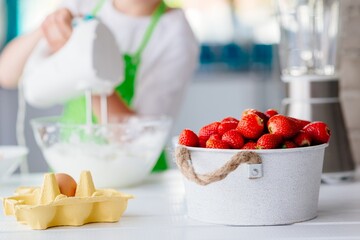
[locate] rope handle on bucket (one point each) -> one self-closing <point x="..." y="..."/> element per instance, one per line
<point x="184" y="162"/>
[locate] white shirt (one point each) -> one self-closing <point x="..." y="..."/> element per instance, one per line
<point x="167" y="63"/>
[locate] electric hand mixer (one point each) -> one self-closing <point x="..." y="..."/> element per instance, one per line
<point x="84" y="65"/>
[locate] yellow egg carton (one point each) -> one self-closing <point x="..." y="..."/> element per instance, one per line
<point x="45" y="207"/>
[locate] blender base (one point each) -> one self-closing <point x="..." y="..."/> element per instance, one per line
<point x="338" y="177"/>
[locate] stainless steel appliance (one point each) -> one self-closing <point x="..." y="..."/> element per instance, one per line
<point x="309" y="33"/>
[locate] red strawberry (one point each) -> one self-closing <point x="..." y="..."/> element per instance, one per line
<point x="229" y="119"/>
<point x="319" y="132"/>
<point x="282" y="125"/>
<point x="226" y="126"/>
<point x="188" y="138"/>
<point x="251" y="126"/>
<point x="271" y="112"/>
<point x="206" y="131"/>
<point x="289" y="144"/>
<point x="215" y="137"/>
<point x="249" y="145"/>
<point x="269" y="141"/>
<point x="233" y="138"/>
<point x="202" y="142"/>
<point x="215" y="143"/>
<point x="301" y="123"/>
<point x="260" y="114"/>
<point x="302" y="139"/>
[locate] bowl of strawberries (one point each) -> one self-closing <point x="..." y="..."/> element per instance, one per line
<point x="261" y="169"/>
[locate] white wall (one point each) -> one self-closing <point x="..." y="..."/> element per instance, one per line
<point x="8" y="114"/>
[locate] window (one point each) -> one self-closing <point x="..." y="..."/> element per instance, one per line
<point x="2" y="22"/>
<point x="234" y="34"/>
<point x="19" y="16"/>
<point x="32" y="12"/>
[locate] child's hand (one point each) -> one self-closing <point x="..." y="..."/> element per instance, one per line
<point x="57" y="28"/>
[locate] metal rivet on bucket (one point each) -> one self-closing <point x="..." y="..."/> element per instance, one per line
<point x="255" y="171"/>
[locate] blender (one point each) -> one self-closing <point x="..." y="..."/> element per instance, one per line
<point x="308" y="46"/>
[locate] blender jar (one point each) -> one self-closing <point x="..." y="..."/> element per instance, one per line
<point x="309" y="30"/>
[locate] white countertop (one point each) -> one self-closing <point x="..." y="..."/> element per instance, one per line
<point x="159" y="212"/>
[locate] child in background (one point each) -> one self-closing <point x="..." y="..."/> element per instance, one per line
<point x="160" y="57"/>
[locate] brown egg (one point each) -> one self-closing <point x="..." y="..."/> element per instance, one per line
<point x="67" y="184"/>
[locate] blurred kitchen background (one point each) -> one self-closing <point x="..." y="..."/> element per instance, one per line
<point x="238" y="64"/>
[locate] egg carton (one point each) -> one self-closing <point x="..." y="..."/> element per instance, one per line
<point x="44" y="207"/>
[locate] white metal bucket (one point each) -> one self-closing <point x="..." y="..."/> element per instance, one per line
<point x="283" y="189"/>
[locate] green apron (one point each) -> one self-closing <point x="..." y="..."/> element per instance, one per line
<point x="75" y="111"/>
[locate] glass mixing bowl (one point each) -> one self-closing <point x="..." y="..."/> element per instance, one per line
<point x="118" y="155"/>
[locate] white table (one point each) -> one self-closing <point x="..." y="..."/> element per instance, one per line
<point x="159" y="212"/>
